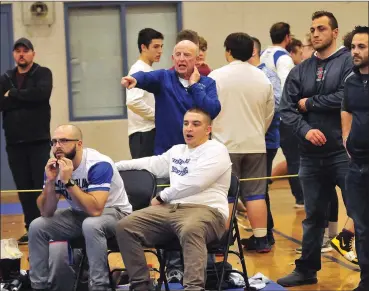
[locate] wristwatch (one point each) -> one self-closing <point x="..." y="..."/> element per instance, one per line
<point x="159" y="199"/>
<point x="70" y="183"/>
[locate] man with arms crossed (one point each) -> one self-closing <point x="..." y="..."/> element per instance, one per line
<point x="91" y="184"/>
<point x="355" y="134"/>
<point x="310" y="105"/>
<point x="140" y="103"/>
<point x="194" y="208"/>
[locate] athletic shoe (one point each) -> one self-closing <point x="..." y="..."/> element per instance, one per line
<point x="326" y="248"/>
<point x="258" y="244"/>
<point x="297" y="279"/>
<point x="23" y="240"/>
<point x="343" y="243"/>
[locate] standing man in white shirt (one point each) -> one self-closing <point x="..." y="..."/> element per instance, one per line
<point x="276" y="57"/>
<point x="140" y="103"/>
<point x="194" y="208"/>
<point x="247" y="101"/>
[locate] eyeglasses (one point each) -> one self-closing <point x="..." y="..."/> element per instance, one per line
<point x="61" y="141"/>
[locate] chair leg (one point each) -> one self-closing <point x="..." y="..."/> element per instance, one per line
<point x="111" y="281"/>
<point x="242" y="258"/>
<point x="80" y="270"/>
<point x="162" y="257"/>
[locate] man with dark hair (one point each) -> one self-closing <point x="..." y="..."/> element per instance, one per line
<point x="140" y="103"/>
<point x="272" y="139"/>
<point x="276" y="57"/>
<point x="310" y="105"/>
<point x="247" y="100"/>
<point x="194" y="208"/>
<point x="25" y="93"/>
<point x="355" y="128"/>
<point x="295" y="50"/>
<point x="188" y="34"/>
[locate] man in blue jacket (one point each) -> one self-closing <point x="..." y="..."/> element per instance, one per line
<point x="355" y="129"/>
<point x="175" y="92"/>
<point x="310" y="105"/>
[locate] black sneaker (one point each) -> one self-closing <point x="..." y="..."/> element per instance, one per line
<point x="344" y="244"/>
<point x="23" y="240"/>
<point x="258" y="244"/>
<point x="270" y="237"/>
<point x="249" y="243"/>
<point x="297" y="279"/>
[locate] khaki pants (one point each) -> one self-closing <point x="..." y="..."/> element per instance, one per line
<point x="194" y="225"/>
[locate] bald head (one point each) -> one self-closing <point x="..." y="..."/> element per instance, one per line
<point x="69" y="130"/>
<point x="186" y="45"/>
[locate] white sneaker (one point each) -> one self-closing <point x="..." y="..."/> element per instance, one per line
<point x="326" y="248"/>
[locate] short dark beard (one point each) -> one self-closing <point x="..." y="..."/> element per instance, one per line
<point x="324" y="47"/>
<point x="25" y="65"/>
<point x="363" y="64"/>
<point x="71" y="154"/>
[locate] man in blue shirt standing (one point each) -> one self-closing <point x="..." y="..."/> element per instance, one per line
<point x="175" y="92"/>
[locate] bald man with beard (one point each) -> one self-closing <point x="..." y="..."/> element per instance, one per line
<point x="175" y="92"/>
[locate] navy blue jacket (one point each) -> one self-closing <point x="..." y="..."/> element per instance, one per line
<point x="172" y="100"/>
<point x="323" y="104"/>
<point x="356" y="102"/>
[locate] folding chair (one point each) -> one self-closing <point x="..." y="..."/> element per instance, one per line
<point x="140" y="186"/>
<point x="218" y="247"/>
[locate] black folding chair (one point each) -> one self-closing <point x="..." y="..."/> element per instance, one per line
<point x="140" y="186"/>
<point x="218" y="247"/>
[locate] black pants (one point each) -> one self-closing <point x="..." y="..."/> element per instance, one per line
<point x="141" y="144"/>
<point x="27" y="162"/>
<point x="270" y="157"/>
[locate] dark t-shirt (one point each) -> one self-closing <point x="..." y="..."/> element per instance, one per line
<point x="20" y="79"/>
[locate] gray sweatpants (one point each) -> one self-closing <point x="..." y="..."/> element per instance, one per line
<point x="67" y="224"/>
<point x="62" y="272"/>
<point x="194" y="225"/>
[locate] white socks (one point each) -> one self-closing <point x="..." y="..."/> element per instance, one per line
<point x="259" y="232"/>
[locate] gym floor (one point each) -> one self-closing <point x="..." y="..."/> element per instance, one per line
<point x="336" y="273"/>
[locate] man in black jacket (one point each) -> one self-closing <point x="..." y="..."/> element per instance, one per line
<point x="355" y="135"/>
<point x="24" y="102"/>
<point x="310" y="104"/>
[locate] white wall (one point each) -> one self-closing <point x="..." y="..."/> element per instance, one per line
<point x="213" y="20"/>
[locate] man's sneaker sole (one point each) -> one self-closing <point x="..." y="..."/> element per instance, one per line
<point x="322" y="250"/>
<point x="349" y="256"/>
<point x="300" y="283"/>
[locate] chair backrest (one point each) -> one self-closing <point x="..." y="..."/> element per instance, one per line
<point x="140" y="186"/>
<point x="233" y="194"/>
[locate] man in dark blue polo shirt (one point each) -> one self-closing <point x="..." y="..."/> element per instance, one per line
<point x="355" y="131"/>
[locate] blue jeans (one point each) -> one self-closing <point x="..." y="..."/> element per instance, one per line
<point x="319" y="176"/>
<point x="357" y="187"/>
